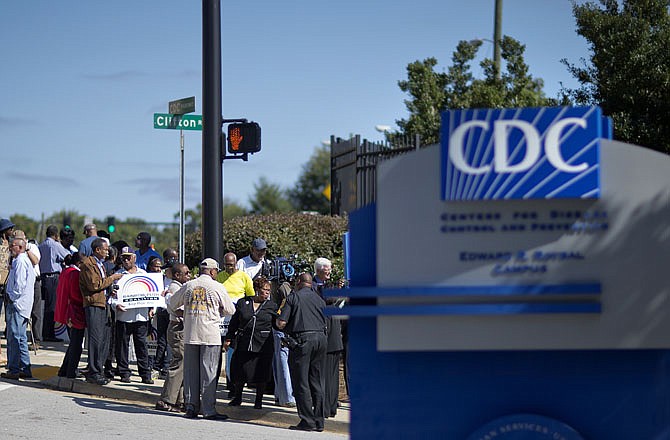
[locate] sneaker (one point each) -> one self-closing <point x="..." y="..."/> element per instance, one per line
<point x="164" y="406"/>
<point x="125" y="379"/>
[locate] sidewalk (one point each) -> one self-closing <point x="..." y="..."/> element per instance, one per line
<point x="50" y="355"/>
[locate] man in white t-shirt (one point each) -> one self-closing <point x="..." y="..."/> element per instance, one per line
<point x="253" y="263"/>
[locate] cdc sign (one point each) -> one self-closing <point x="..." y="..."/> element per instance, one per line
<point x="528" y="153"/>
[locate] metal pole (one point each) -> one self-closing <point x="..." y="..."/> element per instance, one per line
<point x="497" y="38"/>
<point x="181" y="198"/>
<point x="212" y="169"/>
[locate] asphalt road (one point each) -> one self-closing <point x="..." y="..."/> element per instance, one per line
<point x="31" y="412"/>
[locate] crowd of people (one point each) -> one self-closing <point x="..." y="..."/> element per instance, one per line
<point x="268" y="335"/>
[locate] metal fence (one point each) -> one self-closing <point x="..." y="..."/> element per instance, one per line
<point x="353" y="169"/>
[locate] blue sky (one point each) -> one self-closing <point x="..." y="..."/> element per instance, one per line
<point x="81" y="81"/>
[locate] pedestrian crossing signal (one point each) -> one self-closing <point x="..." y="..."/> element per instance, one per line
<point x="244" y="137"/>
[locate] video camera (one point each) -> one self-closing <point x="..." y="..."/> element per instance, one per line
<point x="283" y="268"/>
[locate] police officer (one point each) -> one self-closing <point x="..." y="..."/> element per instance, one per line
<point x="302" y="319"/>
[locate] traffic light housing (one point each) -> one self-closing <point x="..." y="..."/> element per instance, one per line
<point x="67" y="222"/>
<point x="111" y="224"/>
<point x="244" y="137"/>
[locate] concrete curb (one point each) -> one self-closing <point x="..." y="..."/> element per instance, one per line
<point x="270" y="415"/>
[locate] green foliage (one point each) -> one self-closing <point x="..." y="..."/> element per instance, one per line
<point x="268" y="197"/>
<point x="308" y="235"/>
<point x="628" y="72"/>
<point x="427" y="89"/>
<point x="307" y="194"/>
<point x="433" y="92"/>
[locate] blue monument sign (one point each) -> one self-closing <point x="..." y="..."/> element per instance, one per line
<point x="512" y="279"/>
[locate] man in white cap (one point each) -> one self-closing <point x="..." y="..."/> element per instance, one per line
<point x="205" y="302"/>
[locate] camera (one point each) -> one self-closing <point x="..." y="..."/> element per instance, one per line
<point x="289" y="342"/>
<point x="283" y="268"/>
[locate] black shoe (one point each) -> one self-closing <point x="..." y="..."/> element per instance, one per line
<point x="190" y="414"/>
<point x="99" y="380"/>
<point x="109" y="375"/>
<point x="13" y="376"/>
<point x="301" y="427"/>
<point x="147" y="380"/>
<point x="23" y="375"/>
<point x="125" y="379"/>
<point x="258" y="405"/>
<point x="215" y="417"/>
<point x="237" y="401"/>
<point x="319" y="428"/>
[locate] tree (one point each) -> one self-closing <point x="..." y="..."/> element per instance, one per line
<point x="434" y="92"/>
<point x="628" y="72"/>
<point x="268" y="197"/>
<point x="307" y="195"/>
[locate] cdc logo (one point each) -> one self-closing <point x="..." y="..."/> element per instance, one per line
<point x="526" y="153"/>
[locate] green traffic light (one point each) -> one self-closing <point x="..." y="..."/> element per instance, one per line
<point x="111" y="229"/>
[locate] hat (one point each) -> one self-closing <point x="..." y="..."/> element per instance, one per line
<point x="17" y="233"/>
<point x="209" y="263"/>
<point x="5" y="224"/>
<point x="127" y="250"/>
<point x="259" y="243"/>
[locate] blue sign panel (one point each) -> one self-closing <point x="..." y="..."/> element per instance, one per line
<point x="524" y="153"/>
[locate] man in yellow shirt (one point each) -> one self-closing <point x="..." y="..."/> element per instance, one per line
<point x="238" y="284"/>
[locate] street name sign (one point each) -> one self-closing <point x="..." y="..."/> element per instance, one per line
<point x="178" y="122"/>
<point x="182" y="106"/>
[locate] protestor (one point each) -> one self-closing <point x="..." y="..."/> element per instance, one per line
<point x="93" y="283"/>
<point x="52" y="255"/>
<point x="335" y="344"/>
<point x="251" y="329"/>
<point x="172" y="396"/>
<point x="131" y="322"/>
<point x="75" y="317"/>
<point x="62" y="291"/>
<point x="252" y="264"/>
<point x="303" y="320"/>
<point x="144" y="250"/>
<point x="205" y="302"/>
<point x="91" y="233"/>
<point x="238" y="284"/>
<point x="110" y="265"/>
<point x="6" y="229"/>
<point x="19" y="299"/>
<point x="67" y="240"/>
<point x="37" y="312"/>
<point x="161" y="360"/>
<point x="283" y="389"/>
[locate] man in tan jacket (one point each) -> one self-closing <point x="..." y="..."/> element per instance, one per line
<point x="93" y="282"/>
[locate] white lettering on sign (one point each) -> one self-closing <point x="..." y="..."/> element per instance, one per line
<point x="501" y="130"/>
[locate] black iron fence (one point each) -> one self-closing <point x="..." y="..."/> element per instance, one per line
<point x="353" y="169"/>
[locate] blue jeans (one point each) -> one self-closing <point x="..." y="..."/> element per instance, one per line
<point x="18" y="358"/>
<point x="283" y="388"/>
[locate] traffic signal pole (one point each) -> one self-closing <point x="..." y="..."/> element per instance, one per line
<point x="212" y="167"/>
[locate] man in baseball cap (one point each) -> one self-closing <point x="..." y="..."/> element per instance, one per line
<point x="205" y="302"/>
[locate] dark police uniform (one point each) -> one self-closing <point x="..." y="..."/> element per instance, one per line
<point x="334" y="349"/>
<point x="306" y="323"/>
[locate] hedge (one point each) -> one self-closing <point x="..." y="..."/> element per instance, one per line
<point x="308" y="235"/>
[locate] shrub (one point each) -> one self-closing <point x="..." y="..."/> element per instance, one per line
<point x="308" y="235"/>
